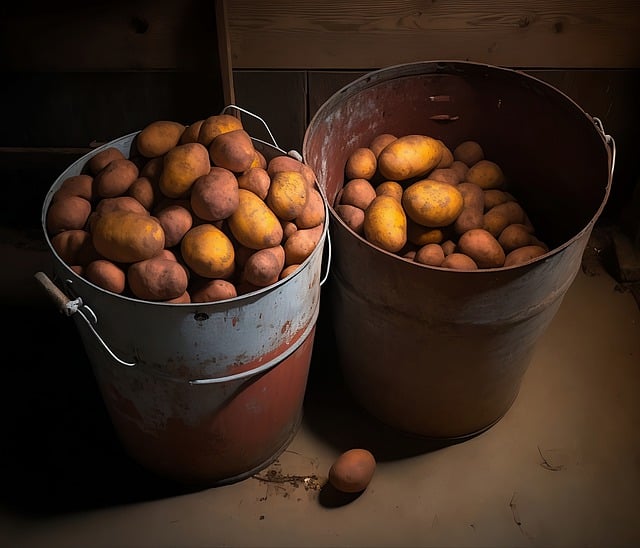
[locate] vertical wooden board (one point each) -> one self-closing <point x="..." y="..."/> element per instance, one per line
<point x="279" y="98"/>
<point x="323" y="84"/>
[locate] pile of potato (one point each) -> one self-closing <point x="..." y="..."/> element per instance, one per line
<point x="415" y="197"/>
<point x="195" y="214"/>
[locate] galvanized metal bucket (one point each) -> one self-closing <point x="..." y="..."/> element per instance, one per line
<point x="203" y="393"/>
<point x="441" y="353"/>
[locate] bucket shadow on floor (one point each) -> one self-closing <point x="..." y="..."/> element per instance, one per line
<point x="334" y="415"/>
<point x="60" y="453"/>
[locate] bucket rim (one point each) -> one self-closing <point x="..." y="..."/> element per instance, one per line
<point x="448" y="66"/>
<point x="251" y="296"/>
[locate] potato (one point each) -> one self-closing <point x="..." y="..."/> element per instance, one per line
<point x="524" y="254"/>
<point x="385" y="224"/>
<point x="67" y="213"/>
<point x="301" y="244"/>
<point x="422" y="235"/>
<point x="357" y="192"/>
<point x="469" y="152"/>
<point x="390" y="188"/>
<point x="100" y="160"/>
<point x="432" y="203"/>
<point x="514" y="236"/>
<point x="182" y="165"/>
<point x="409" y="156"/>
<point x="253" y="223"/>
<point x="208" y="251"/>
<point x="288" y="194"/>
<point x="361" y="164"/>
<point x="214" y="196"/>
<point x="430" y="254"/>
<point x="313" y="213"/>
<point x="152" y="169"/>
<point x="216" y="125"/>
<point x="76" y="185"/>
<point x="472" y="214"/>
<point x="459" y="261"/>
<point x="288" y="163"/>
<point x="352" y="216"/>
<point x="256" y="179"/>
<point x="233" y="150"/>
<point x="107" y="275"/>
<point x="460" y="168"/>
<point x="185" y="298"/>
<point x="120" y="203"/>
<point x="380" y="141"/>
<point x="75" y="247"/>
<point x="503" y="215"/>
<point x="176" y="220"/>
<point x="448" y="246"/>
<point x="259" y="160"/>
<point x="158" y="138"/>
<point x="157" y="279"/>
<point x="263" y="267"/>
<point x="447" y="157"/>
<point x="495" y="196"/>
<point x="408" y="254"/>
<point x="445" y="175"/>
<point x="115" y="178"/>
<point x="288" y="270"/>
<point x="288" y="228"/>
<point x="207" y="290"/>
<point x="145" y="191"/>
<point x="486" y="174"/>
<point x="127" y="237"/>
<point x="352" y="471"/>
<point x="482" y="247"/>
<point x="191" y="133"/>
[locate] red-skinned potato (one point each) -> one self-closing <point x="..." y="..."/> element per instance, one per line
<point x="75" y="247"/>
<point x="107" y="275"/>
<point x="157" y="279"/>
<point x="211" y="290"/>
<point x="263" y="267"/>
<point x="115" y="178"/>
<point x="214" y="196"/>
<point x="100" y="160"/>
<point x="67" y="213"/>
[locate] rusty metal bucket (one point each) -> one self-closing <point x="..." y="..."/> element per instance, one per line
<point x="441" y="353"/>
<point x="204" y="394"/>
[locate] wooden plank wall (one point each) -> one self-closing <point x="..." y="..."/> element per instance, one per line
<point x="77" y="74"/>
<point x="289" y="57"/>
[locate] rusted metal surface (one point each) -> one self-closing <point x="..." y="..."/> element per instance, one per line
<point x="202" y="393"/>
<point x="442" y="353"/>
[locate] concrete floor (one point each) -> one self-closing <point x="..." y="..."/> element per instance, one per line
<point x="561" y="468"/>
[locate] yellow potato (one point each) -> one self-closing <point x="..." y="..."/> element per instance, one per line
<point x="208" y="251"/>
<point x="288" y="194"/>
<point x="432" y="203"/>
<point x="385" y="224"/>
<point x="157" y="138"/>
<point x="253" y="223"/>
<point x="486" y="174"/>
<point x="409" y="156"/>
<point x="182" y="165"/>
<point x="361" y="164"/>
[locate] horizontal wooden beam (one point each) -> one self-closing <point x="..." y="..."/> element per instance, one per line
<point x="360" y="34"/>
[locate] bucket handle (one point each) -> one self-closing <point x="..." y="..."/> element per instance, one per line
<point x="609" y="140"/>
<point x="70" y="307"/>
<point x="294" y="154"/>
